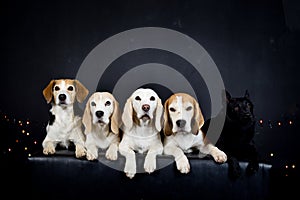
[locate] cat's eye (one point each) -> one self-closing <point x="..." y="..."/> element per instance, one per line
<point x="56" y="88"/>
<point x="189" y="108"/>
<point x="93" y="103"/>
<point x="172" y="109"/>
<point x="137" y="98"/>
<point x="108" y="103"/>
<point x="236" y="108"/>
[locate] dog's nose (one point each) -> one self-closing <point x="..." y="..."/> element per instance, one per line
<point x="146" y="107"/>
<point x="62" y="97"/>
<point x="180" y="123"/>
<point x="99" y="113"/>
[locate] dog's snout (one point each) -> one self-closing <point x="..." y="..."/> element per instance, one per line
<point x="62" y="97"/>
<point x="146" y="107"/>
<point x="180" y="123"/>
<point x="99" y="113"/>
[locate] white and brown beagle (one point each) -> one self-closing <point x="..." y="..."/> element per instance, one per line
<point x="64" y="126"/>
<point x="182" y="122"/>
<point x="102" y="120"/>
<point x="142" y="123"/>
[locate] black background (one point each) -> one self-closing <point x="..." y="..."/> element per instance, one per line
<point x="255" y="45"/>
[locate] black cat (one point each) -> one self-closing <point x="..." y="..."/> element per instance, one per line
<point x="237" y="135"/>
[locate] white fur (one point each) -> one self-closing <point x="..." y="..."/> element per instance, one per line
<point x="66" y="127"/>
<point x="182" y="140"/>
<point x="143" y="136"/>
<point x="98" y="128"/>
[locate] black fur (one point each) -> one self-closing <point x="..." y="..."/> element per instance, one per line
<point x="52" y="118"/>
<point x="236" y="139"/>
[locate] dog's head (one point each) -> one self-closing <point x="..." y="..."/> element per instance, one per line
<point x="182" y="114"/>
<point x="102" y="109"/>
<point x="63" y="92"/>
<point x="144" y="105"/>
<point x="240" y="108"/>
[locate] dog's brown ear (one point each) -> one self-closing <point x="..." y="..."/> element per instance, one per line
<point x="198" y="120"/>
<point x="115" y="118"/>
<point x="87" y="118"/>
<point x="81" y="91"/>
<point x="47" y="92"/>
<point x="127" y="117"/>
<point x="167" y="129"/>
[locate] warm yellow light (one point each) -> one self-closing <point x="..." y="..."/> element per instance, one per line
<point x="286" y="166"/>
<point x="261" y="121"/>
<point x="271" y="154"/>
<point x="27" y="134"/>
<point x="290" y="122"/>
<point x="9" y="149"/>
<point x="293" y="166"/>
<point x="25" y="148"/>
<point x="29" y="155"/>
<point x="23" y="131"/>
<point x="27" y="122"/>
<point x="279" y="123"/>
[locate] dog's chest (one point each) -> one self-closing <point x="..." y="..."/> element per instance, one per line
<point x="187" y="141"/>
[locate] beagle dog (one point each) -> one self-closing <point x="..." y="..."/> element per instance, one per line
<point x="142" y="123"/>
<point x="102" y="120"/>
<point x="182" y="122"/>
<point x="64" y="126"/>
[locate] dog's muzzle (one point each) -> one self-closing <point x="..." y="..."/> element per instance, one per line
<point x="99" y="114"/>
<point x="62" y="99"/>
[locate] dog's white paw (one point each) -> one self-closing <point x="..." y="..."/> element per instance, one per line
<point x="91" y="156"/>
<point x="111" y="154"/>
<point x="219" y="156"/>
<point x="183" y="165"/>
<point x="80" y="151"/>
<point x="150" y="164"/>
<point x="130" y="169"/>
<point x="49" y="149"/>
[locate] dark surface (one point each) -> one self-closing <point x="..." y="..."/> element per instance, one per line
<point x="63" y="176"/>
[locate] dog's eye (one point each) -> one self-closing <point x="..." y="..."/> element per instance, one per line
<point x="70" y="88"/>
<point x="93" y="103"/>
<point x="152" y="98"/>
<point x="137" y="98"/>
<point x="189" y="108"/>
<point x="56" y="88"/>
<point x="172" y="109"/>
<point x="107" y="103"/>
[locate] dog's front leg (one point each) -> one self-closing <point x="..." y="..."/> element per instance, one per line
<point x="218" y="155"/>
<point x="48" y="147"/>
<point x="112" y="151"/>
<point x="150" y="159"/>
<point x="130" y="162"/>
<point x="182" y="161"/>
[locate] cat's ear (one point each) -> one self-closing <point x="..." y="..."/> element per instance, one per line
<point x="228" y="96"/>
<point x="247" y="94"/>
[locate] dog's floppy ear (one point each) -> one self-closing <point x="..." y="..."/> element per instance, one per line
<point x="127" y="117"/>
<point x="81" y="91"/>
<point x="115" y="118"/>
<point x="87" y="118"/>
<point x="198" y="120"/>
<point x="158" y="115"/>
<point x="167" y="121"/>
<point x="47" y="92"/>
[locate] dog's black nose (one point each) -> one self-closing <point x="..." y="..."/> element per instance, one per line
<point x="62" y="97"/>
<point x="146" y="107"/>
<point x="99" y="113"/>
<point x="180" y="123"/>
